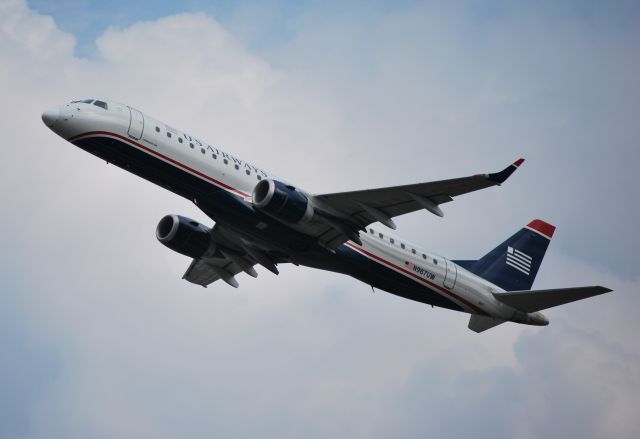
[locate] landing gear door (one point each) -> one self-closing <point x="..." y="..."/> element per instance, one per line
<point x="451" y="275"/>
<point x="136" y="123"/>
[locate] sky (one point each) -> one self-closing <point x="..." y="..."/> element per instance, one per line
<point x="100" y="337"/>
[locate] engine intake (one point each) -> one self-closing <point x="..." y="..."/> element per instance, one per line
<point x="283" y="202"/>
<point x="183" y="235"/>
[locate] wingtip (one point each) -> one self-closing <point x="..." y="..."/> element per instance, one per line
<point x="500" y="177"/>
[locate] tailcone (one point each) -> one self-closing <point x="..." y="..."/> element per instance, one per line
<point x="538" y="319"/>
<point x="531" y="318"/>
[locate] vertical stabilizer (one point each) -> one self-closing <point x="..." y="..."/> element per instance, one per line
<point x="513" y="265"/>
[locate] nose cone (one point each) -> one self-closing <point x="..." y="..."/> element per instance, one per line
<point x="51" y="116"/>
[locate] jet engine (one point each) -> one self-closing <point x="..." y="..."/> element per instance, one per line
<point x="184" y="235"/>
<point x="283" y="202"/>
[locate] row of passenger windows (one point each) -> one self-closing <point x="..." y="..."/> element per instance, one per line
<point x="402" y="246"/>
<point x="213" y="155"/>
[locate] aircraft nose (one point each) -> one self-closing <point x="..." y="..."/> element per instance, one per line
<point x="50" y="116"/>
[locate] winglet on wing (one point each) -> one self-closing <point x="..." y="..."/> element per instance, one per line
<point x="501" y="177"/>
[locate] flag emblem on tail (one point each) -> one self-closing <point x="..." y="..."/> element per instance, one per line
<point x="518" y="260"/>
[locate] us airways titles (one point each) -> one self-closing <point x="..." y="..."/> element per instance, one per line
<point x="217" y="152"/>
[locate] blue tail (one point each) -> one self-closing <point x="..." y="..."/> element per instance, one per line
<point x="513" y="265"/>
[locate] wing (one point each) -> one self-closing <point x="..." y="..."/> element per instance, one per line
<point x="232" y="255"/>
<point x="348" y="212"/>
<point x="204" y="271"/>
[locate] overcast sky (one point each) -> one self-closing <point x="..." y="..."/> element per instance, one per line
<point x="100" y="337"/>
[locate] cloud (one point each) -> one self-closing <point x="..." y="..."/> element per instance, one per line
<point x="568" y="382"/>
<point x="101" y="337"/>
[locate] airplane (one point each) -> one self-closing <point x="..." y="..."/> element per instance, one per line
<point x="260" y="219"/>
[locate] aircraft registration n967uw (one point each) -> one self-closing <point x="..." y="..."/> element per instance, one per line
<point x="262" y="220"/>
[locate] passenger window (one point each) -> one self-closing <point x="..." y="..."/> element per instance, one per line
<point x="157" y="129"/>
<point x="391" y="240"/>
<point x="424" y="256"/>
<point x="191" y="145"/>
<point x="401" y="245"/>
<point x="248" y="172"/>
<point x="202" y="150"/>
<point x="168" y="134"/>
<point x="226" y="162"/>
<point x="380" y="235"/>
<point x="214" y="156"/>
<point x="179" y="139"/>
<point x="259" y="177"/>
<point x="435" y="262"/>
<point x="413" y="250"/>
<point x="237" y="167"/>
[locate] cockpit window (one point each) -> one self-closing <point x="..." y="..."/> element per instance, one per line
<point x="101" y="104"/>
<point x="97" y="103"/>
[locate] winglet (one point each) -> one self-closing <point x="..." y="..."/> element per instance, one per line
<point x="501" y="177"/>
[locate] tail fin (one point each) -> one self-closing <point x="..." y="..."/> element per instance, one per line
<point x="513" y="265"/>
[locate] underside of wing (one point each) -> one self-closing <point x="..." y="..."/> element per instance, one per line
<point x="230" y="255"/>
<point x="200" y="273"/>
<point x="204" y="272"/>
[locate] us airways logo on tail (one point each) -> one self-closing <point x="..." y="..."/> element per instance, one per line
<point x="518" y="260"/>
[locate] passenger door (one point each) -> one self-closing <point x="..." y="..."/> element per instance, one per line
<point x="451" y="274"/>
<point x="136" y="123"/>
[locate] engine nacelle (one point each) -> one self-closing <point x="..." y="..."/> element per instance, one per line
<point x="283" y="202"/>
<point x="184" y="235"/>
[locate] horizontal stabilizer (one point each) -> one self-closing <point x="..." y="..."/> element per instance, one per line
<point x="479" y="323"/>
<point x="537" y="300"/>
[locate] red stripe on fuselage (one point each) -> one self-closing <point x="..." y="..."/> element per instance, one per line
<point x="162" y="156"/>
<point x="415" y="276"/>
